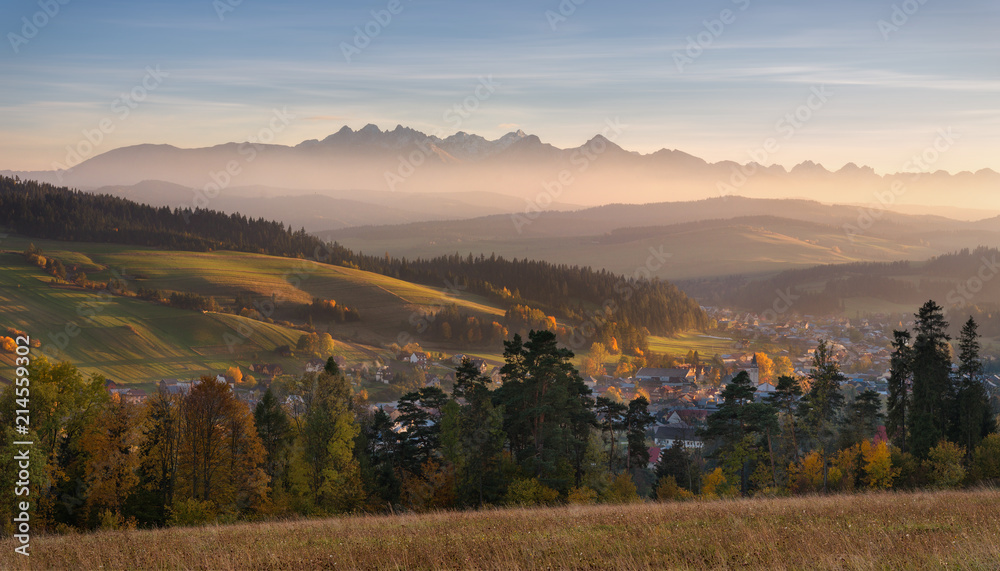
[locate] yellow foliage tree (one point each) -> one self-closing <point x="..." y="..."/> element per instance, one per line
<point x="9" y="345"/>
<point x="879" y="472"/>
<point x="807" y="475"/>
<point x="236" y="373"/>
<point x="765" y="368"/>
<point x="716" y="485"/>
<point x="783" y="367"/>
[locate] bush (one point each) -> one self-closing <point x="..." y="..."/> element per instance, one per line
<point x="191" y="512"/>
<point x="986" y="459"/>
<point x="944" y="465"/>
<point x="582" y="496"/>
<point x="529" y="492"/>
<point x="668" y="490"/>
<point x="621" y="491"/>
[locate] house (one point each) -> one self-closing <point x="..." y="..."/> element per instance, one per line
<point x="647" y="373"/>
<point x="266" y="369"/>
<point x="134" y="396"/>
<point x="173" y="387"/>
<point x="654" y="456"/>
<point x="666" y="436"/>
<point x="417" y="358"/>
<point x="687" y="417"/>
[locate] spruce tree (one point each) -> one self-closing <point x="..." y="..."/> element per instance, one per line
<point x="933" y="390"/>
<point x="972" y="419"/>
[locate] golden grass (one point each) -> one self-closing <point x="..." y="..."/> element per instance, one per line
<point x="874" y="531"/>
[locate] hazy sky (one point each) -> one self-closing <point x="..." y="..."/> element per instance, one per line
<point x="683" y="75"/>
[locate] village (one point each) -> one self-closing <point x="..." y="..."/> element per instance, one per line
<point x="680" y="396"/>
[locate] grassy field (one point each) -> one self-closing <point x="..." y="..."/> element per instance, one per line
<point x="135" y="341"/>
<point x="705" y="345"/>
<point x="877" y="531"/>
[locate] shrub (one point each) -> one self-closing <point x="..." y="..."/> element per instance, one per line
<point x="986" y="459"/>
<point x="529" y="492"/>
<point x="621" y="491"/>
<point x="191" y="512"/>
<point x="582" y="496"/>
<point x="944" y="465"/>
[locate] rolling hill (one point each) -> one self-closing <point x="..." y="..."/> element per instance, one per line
<point x="132" y="340"/>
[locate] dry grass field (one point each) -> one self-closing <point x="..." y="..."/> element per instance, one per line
<point x="944" y="530"/>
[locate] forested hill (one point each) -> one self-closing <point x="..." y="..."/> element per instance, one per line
<point x="44" y="211"/>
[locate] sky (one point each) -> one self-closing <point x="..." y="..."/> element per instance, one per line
<point x="866" y="81"/>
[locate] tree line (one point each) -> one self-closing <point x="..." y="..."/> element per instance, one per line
<point x="313" y="446"/>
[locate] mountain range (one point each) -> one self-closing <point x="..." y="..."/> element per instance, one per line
<point x="352" y="165"/>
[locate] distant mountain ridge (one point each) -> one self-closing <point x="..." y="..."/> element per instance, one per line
<point x="405" y="160"/>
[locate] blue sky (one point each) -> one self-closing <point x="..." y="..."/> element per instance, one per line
<point x="889" y="90"/>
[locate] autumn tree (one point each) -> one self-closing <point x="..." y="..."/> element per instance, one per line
<point x="765" y="367"/>
<point x="111" y="444"/>
<point x="220" y="452"/>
